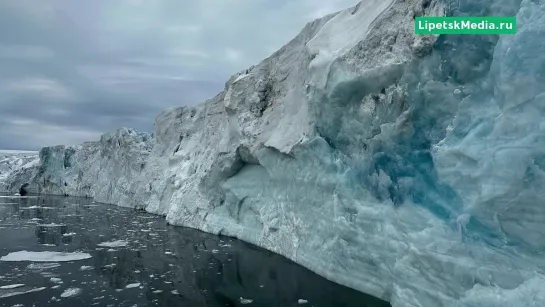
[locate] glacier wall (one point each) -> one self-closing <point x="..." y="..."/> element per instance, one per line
<point x="407" y="167"/>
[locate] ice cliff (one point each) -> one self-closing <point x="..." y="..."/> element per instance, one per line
<point x="408" y="167"/>
<point x="17" y="162"/>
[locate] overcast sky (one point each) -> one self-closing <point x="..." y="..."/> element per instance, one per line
<point x="72" y="70"/>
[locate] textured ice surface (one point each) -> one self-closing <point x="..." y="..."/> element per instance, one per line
<point x="12" y="161"/>
<point x="408" y="167"/>
<point x="44" y="256"/>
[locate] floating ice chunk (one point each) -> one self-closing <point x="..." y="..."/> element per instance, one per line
<point x="44" y="256"/>
<point x="71" y="292"/>
<point x="245" y="301"/>
<point x="2" y="196"/>
<point x="301" y="301"/>
<point x="69" y="234"/>
<point x="39" y="207"/>
<point x="51" y="225"/>
<point x="175" y="292"/>
<point x="42" y="266"/>
<point x="118" y="243"/>
<point x="157" y="291"/>
<point x="55" y="280"/>
<point x="135" y="285"/>
<point x="85" y="268"/>
<point x="20" y="293"/>
<point x="12" y="286"/>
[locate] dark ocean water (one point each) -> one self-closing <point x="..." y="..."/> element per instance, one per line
<point x="162" y="265"/>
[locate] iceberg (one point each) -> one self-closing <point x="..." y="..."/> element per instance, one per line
<point x="405" y="166"/>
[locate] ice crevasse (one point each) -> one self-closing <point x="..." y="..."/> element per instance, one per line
<point x="408" y="167"/>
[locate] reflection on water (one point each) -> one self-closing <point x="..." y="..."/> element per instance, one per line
<point x="164" y="265"/>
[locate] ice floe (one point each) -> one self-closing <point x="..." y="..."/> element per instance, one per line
<point x="135" y="285"/>
<point x="51" y="225"/>
<point x="10" y="294"/>
<point x="44" y="256"/>
<point x="118" y="243"/>
<point x="245" y="301"/>
<point x="11" y="286"/>
<point x="70" y="292"/>
<point x="85" y="268"/>
<point x="42" y="266"/>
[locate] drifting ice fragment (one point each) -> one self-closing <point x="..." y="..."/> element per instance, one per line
<point x="44" y="256"/>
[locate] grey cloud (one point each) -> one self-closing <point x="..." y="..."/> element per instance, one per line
<point x="72" y="70"/>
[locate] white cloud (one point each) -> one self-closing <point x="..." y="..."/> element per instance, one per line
<point x="189" y="53"/>
<point x="47" y="88"/>
<point x="187" y="28"/>
<point x="49" y="134"/>
<point x="25" y="52"/>
<point x="136" y="56"/>
<point x="233" y="55"/>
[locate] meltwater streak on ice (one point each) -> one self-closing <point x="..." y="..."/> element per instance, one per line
<point x="122" y="257"/>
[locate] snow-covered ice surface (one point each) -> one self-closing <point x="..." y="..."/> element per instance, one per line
<point x="44" y="256"/>
<point x="408" y="167"/>
<point x="164" y="266"/>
